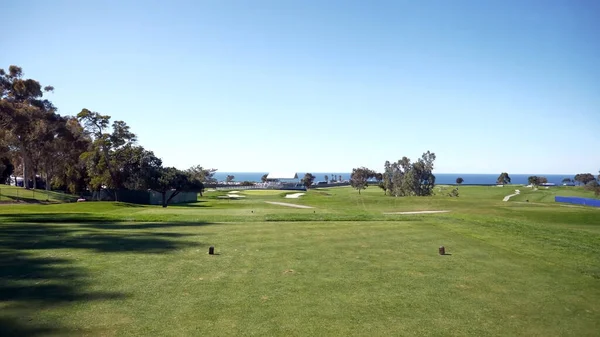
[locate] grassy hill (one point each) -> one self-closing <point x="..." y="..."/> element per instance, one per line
<point x="341" y="268"/>
<point x="19" y="194"/>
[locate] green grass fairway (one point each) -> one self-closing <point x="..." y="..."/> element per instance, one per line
<point x="343" y="268"/>
<point x="543" y="194"/>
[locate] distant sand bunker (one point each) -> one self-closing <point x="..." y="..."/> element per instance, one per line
<point x="286" y="204"/>
<point x="294" y="195"/>
<point x="418" y="212"/>
<point x="231" y="196"/>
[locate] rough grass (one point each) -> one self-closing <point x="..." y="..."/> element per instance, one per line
<point x="342" y="269"/>
<point x="11" y="194"/>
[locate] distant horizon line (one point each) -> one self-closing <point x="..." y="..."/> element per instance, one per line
<point x="554" y="174"/>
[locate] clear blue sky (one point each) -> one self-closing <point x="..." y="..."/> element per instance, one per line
<point x="326" y="86"/>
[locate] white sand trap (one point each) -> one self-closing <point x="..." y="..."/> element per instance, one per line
<point x="418" y="212"/>
<point x="231" y="196"/>
<point x="286" y="204"/>
<point x="294" y="195"/>
<point x="233" y="192"/>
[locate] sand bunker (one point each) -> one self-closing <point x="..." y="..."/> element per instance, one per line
<point x="418" y="212"/>
<point x="294" y="195"/>
<point x="231" y="196"/>
<point x="286" y="204"/>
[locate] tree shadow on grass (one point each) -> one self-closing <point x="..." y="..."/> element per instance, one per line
<point x="145" y="225"/>
<point x="29" y="283"/>
<point x="47" y="218"/>
<point x="31" y="280"/>
<point x="42" y="281"/>
<point x="194" y="204"/>
<point x="10" y="327"/>
<point x="36" y="236"/>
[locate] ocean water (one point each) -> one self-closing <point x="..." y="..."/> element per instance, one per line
<point x="440" y="178"/>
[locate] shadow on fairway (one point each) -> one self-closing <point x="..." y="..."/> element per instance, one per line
<point x="199" y="203"/>
<point x="52" y="218"/>
<point x="32" y="279"/>
<point x="10" y="327"/>
<point x="145" y="225"/>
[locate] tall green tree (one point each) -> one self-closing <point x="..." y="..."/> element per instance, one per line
<point x="379" y="180"/>
<point x="503" y="179"/>
<point x="405" y="178"/>
<point x="21" y="107"/>
<point x="229" y="178"/>
<point x="326" y="178"/>
<point x="388" y="173"/>
<point x="584" y="178"/>
<point x="138" y="166"/>
<point x="57" y="140"/>
<point x="359" y="178"/>
<point x="393" y="177"/>
<point x="205" y="175"/>
<point x="6" y="166"/>
<point x="422" y="174"/>
<point x="567" y="181"/>
<point x="533" y="180"/>
<point x="264" y="178"/>
<point x="102" y="160"/>
<point x="170" y="182"/>
<point x="67" y="170"/>
<point x="308" y="180"/>
<point x="593" y="186"/>
<point x="459" y="180"/>
<point x="6" y="169"/>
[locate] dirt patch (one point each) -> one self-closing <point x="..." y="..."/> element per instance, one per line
<point x="289" y="271"/>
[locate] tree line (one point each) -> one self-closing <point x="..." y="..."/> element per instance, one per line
<point x="403" y="178"/>
<point x="399" y="178"/>
<point x="86" y="152"/>
<point x="588" y="180"/>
